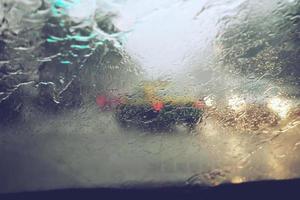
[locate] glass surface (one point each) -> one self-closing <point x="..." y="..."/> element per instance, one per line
<point x="113" y="93"/>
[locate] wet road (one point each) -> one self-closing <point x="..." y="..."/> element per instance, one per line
<point x="86" y="148"/>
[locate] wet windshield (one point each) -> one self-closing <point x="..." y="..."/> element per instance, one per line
<point x="109" y="93"/>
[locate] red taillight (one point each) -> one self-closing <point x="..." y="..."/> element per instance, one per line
<point x="199" y="104"/>
<point x="101" y="101"/>
<point x="158" y="105"/>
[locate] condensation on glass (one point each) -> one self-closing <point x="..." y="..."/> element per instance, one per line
<point x="125" y="92"/>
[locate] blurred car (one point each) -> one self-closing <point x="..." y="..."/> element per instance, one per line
<point x="147" y="109"/>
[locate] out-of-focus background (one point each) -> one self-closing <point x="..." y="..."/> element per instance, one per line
<point x="240" y="57"/>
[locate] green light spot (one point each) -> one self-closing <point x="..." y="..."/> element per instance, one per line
<point x="74" y="46"/>
<point x="57" y="38"/>
<point x="65" y="62"/>
<point x="51" y="40"/>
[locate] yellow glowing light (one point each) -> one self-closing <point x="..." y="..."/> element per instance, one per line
<point x="237" y="179"/>
<point x="236" y="103"/>
<point x="279" y="106"/>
